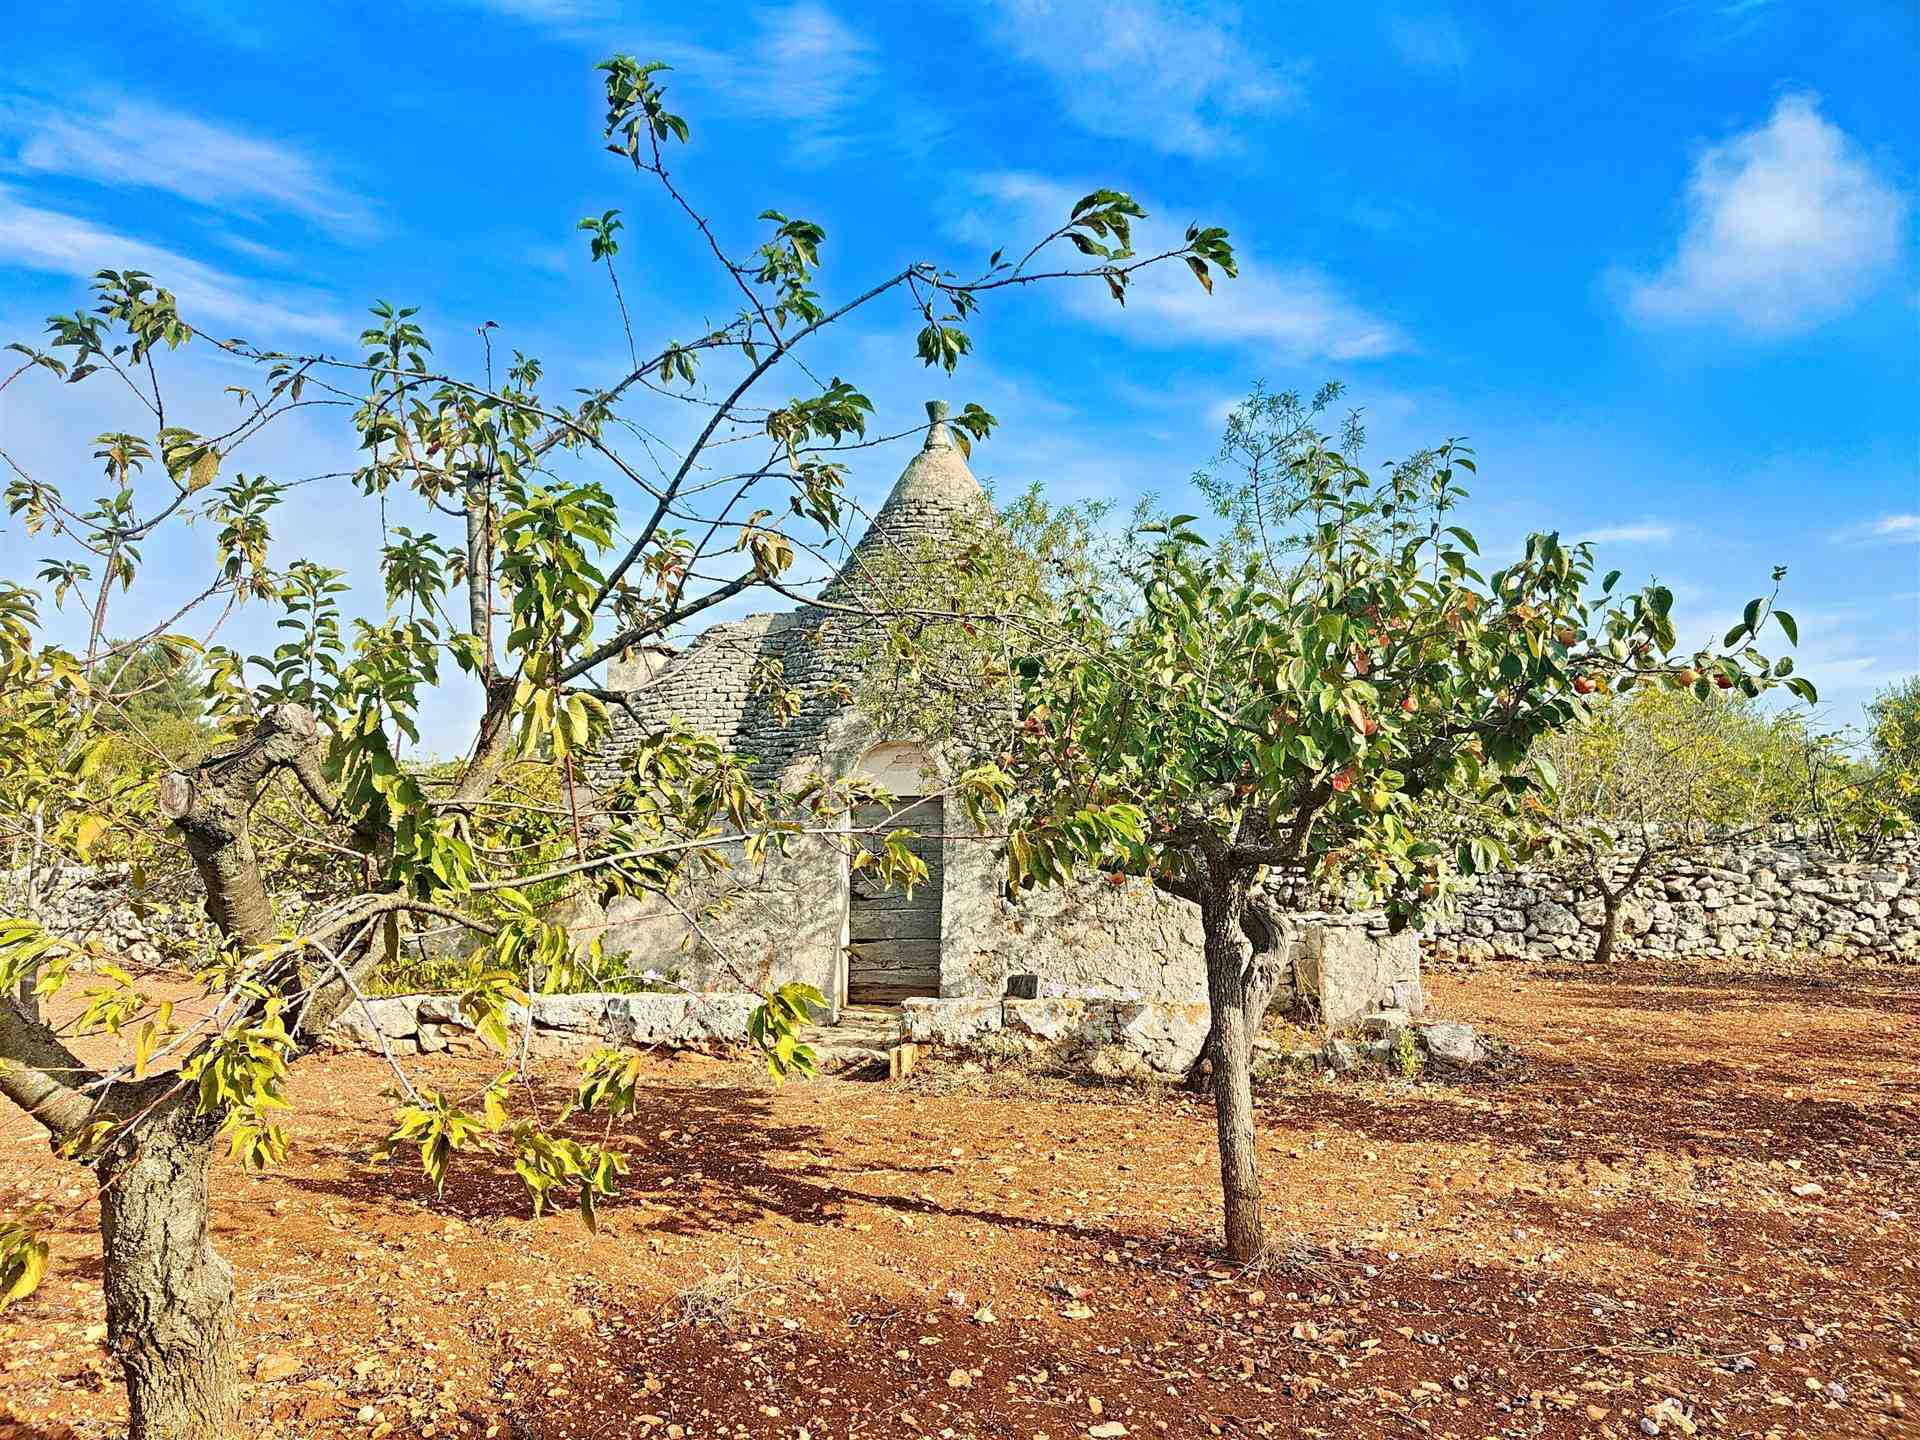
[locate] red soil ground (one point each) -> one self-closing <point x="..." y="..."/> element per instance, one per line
<point x="1614" y="1228"/>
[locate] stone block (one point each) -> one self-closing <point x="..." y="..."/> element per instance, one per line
<point x="586" y="1014"/>
<point x="1350" y="974"/>
<point x="1452" y="1043"/>
<point x="434" y="1036"/>
<point x="1166" y="1035"/>
<point x="392" y="1017"/>
<point x="649" y="1019"/>
<point x="441" y="1010"/>
<point x="719" y="1017"/>
<point x="939" y="1021"/>
<point x="1050" y="1019"/>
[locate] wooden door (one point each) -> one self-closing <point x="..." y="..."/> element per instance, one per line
<point x="893" y="939"/>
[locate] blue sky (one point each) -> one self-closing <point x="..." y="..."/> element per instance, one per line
<point x="1656" y="262"/>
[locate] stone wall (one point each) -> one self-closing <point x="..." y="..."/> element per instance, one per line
<point x="751" y="927"/>
<point x="1768" y="898"/>
<point x="163" y="924"/>
<point x="1105" y="1035"/>
<point x="424" y="1024"/>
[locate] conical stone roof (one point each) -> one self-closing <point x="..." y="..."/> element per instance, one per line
<point x="711" y="685"/>
<point x="936" y="499"/>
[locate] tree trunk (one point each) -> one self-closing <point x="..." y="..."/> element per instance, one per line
<point x="1271" y="935"/>
<point x="1228" y="952"/>
<point x="169" y="1292"/>
<point x="1610" y="905"/>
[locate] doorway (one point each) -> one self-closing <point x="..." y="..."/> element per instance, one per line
<point x="893" y="939"/>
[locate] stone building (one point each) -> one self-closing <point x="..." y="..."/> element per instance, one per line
<point x="802" y="916"/>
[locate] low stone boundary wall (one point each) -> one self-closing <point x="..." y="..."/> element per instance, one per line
<point x="1770" y="898"/>
<point x="423" y="1024"/>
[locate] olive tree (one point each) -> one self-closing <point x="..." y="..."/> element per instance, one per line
<point x="574" y="532"/>
<point x="1335" y="713"/>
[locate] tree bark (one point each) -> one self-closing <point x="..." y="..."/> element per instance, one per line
<point x="480" y="570"/>
<point x="1270" y="933"/>
<point x="1228" y="953"/>
<point x="1610" y="902"/>
<point x="169" y="1292"/>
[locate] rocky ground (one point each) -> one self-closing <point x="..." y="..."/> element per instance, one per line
<point x="1684" y="1204"/>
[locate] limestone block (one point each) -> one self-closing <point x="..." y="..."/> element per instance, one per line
<point x="721" y="1016"/>
<point x="1452" y="1043"/>
<point x="394" y="1017"/>
<point x="1166" y="1035"/>
<point x="434" y="1037"/>
<point x="1053" y="1018"/>
<point x="1350" y="974"/>
<point x="1341" y="1057"/>
<point x="934" y="1021"/>
<point x="649" y="1019"/>
<point x="1550" y="917"/>
<point x="441" y="1010"/>
<point x="584" y="1013"/>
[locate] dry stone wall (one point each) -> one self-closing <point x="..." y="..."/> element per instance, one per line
<point x="1769" y="898"/>
<point x="424" y="1024"/>
<point x="97" y="903"/>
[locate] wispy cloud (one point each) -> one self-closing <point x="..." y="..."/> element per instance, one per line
<point x="1294" y="312"/>
<point x="1788" y="224"/>
<point x="549" y="12"/>
<point x="806" y="67"/>
<point x="1647" y="532"/>
<point x="1173" y="74"/>
<point x="131" y="143"/>
<point x="800" y="64"/>
<point x="1897" y="527"/>
<point x="1430" y="42"/>
<point x="60" y="244"/>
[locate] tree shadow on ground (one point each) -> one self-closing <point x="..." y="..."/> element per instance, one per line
<point x="1561" y="1109"/>
<point x="702" y="1159"/>
<point x="1702" y="989"/>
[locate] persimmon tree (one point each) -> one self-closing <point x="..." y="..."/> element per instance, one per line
<point x="523" y="542"/>
<point x="1335" y="713"/>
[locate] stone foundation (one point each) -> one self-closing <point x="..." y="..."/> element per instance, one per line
<point x="1104" y="1034"/>
<point x="423" y="1024"/>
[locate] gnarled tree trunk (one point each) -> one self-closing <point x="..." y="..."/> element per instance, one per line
<point x="1228" y="952"/>
<point x="169" y="1292"/>
<point x="1270" y="934"/>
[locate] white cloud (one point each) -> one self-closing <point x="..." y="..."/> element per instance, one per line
<point x="1294" y="311"/>
<point x="802" y="66"/>
<point x="59" y="244"/>
<point x="134" y="144"/>
<point x="806" y="67"/>
<point x="1787" y="225"/>
<point x="1174" y="74"/>
<point x="1887" y="527"/>
<point x="1430" y="42"/>
<point x="1645" y="533"/>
